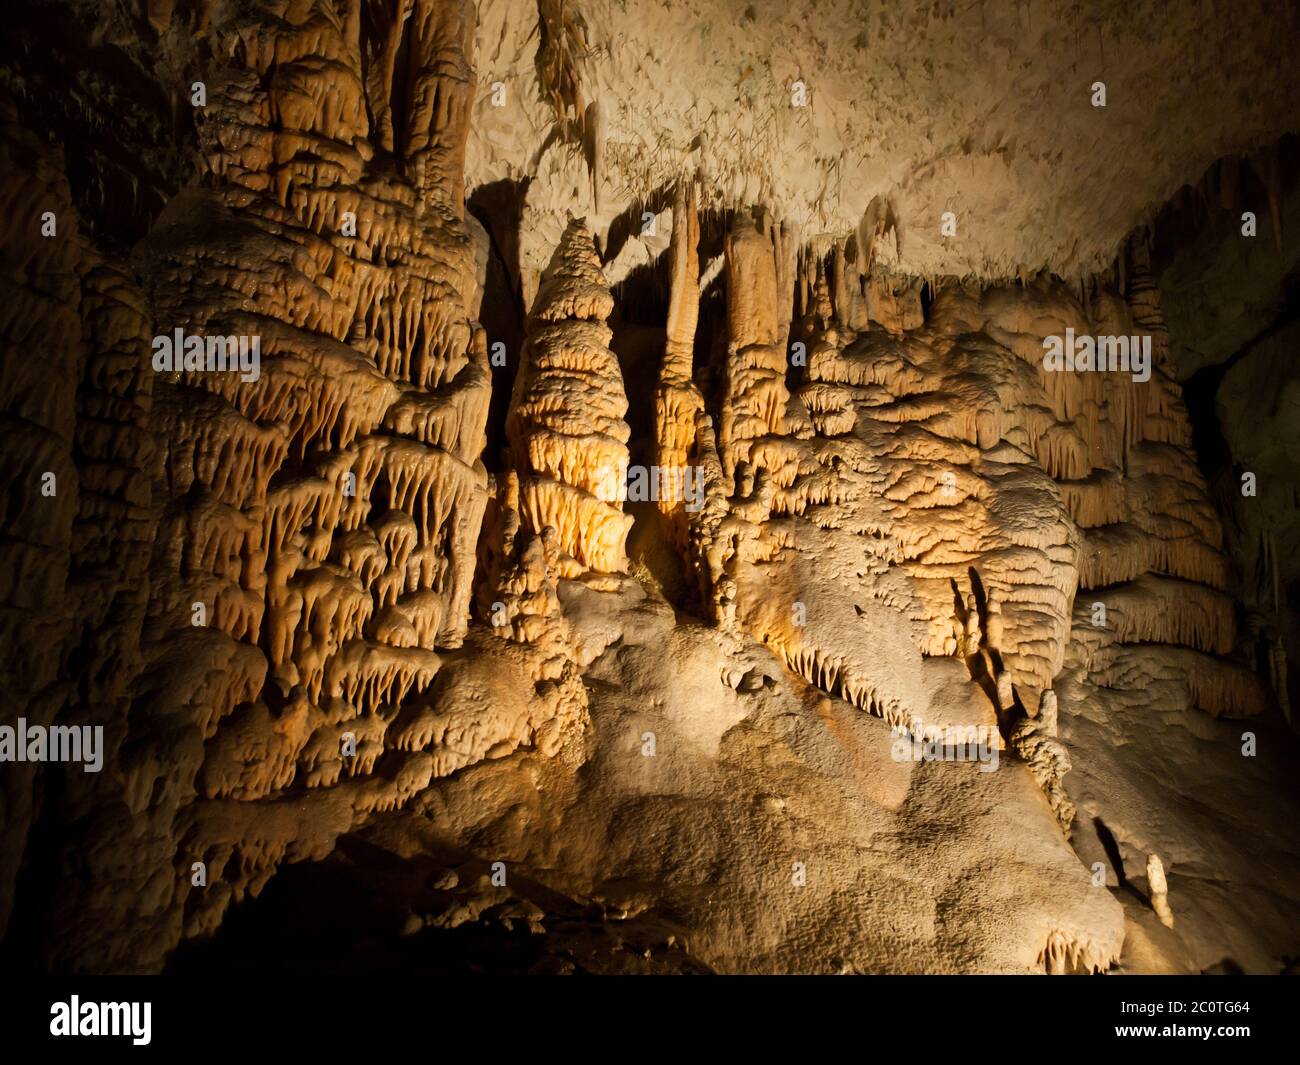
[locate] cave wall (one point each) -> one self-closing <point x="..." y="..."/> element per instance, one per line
<point x="302" y="608"/>
<point x="244" y="572"/>
<point x="1226" y="256"/>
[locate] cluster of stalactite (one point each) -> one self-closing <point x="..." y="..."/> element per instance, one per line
<point x="289" y="548"/>
<point x="258" y="581"/>
<point x="326" y="514"/>
<point x="994" y="500"/>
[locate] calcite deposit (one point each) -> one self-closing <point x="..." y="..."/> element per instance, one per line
<point x="566" y="431"/>
<point x="808" y="490"/>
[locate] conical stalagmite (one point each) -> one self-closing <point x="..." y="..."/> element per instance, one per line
<point x="566" y="426"/>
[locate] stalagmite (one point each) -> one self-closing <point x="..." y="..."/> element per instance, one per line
<point x="567" y="430"/>
<point x="1049" y="762"/>
<point x="1006" y="691"/>
<point x="1159" y="888"/>
<point x="1047" y="712"/>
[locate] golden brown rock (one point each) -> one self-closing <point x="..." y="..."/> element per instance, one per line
<point x="920" y="631"/>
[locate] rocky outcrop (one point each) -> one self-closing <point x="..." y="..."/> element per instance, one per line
<point x="919" y="646"/>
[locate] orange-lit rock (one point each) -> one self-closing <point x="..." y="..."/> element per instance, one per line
<point x="567" y="429"/>
<point x="948" y="661"/>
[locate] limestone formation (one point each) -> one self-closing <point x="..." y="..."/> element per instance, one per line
<point x="567" y="430"/>
<point x="678" y="401"/>
<point x="1159" y="890"/>
<point x="451" y="437"/>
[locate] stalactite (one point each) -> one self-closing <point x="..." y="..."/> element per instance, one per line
<point x="756" y="397"/>
<point x="299" y="602"/>
<point x="677" y="399"/>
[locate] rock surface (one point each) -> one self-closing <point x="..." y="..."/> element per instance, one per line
<point x="637" y="538"/>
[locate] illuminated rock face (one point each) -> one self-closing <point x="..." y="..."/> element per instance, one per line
<point x="304" y="610"/>
<point x="839" y="136"/>
<point x="305" y="533"/>
<point x="678" y="402"/>
<point x="566" y="422"/>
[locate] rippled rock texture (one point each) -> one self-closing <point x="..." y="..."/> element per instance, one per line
<point x="508" y="506"/>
